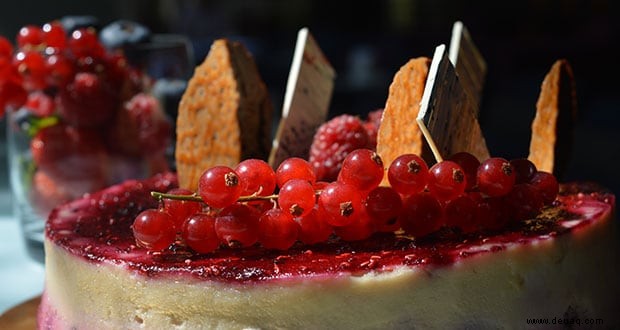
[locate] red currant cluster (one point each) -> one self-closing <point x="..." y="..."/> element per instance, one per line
<point x="238" y="208"/>
<point x="89" y="115"/>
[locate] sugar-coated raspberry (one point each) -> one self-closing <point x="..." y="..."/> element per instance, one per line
<point x="333" y="141"/>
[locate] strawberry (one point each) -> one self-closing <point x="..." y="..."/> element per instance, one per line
<point x="333" y="141"/>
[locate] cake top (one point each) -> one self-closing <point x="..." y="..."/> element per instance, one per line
<point x="89" y="228"/>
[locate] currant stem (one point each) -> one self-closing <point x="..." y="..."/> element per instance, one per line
<point x="196" y="198"/>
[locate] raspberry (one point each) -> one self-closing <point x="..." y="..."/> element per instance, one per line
<point x="372" y="127"/>
<point x="333" y="141"/>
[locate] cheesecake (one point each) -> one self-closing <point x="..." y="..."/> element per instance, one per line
<point x="561" y="265"/>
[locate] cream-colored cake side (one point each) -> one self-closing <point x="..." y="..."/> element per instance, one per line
<point x="569" y="276"/>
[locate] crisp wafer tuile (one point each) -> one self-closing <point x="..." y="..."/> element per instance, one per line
<point x="224" y="115"/>
<point x="552" y="127"/>
<point x="398" y="133"/>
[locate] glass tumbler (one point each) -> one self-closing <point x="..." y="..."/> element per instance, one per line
<point x="52" y="161"/>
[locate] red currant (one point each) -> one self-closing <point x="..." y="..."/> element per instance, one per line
<point x="31" y="65"/>
<point x="40" y="104"/>
<point x="12" y="96"/>
<point x="6" y="48"/>
<point x="199" y="233"/>
<point x="256" y="177"/>
<point x="358" y="230"/>
<point x="469" y="163"/>
<point x="446" y="180"/>
<point x="277" y="229"/>
<point x="219" y="186"/>
<point x="29" y="35"/>
<point x="54" y="35"/>
<point x="294" y="168"/>
<point x="547" y="184"/>
<point x="408" y="174"/>
<point x="180" y="210"/>
<point x="461" y="213"/>
<point x="237" y="225"/>
<point x="383" y="205"/>
<point x="154" y="229"/>
<point x="297" y="197"/>
<point x="524" y="170"/>
<point x="524" y="201"/>
<point x="363" y="169"/>
<point x="60" y="69"/>
<point x="314" y="227"/>
<point x="421" y="215"/>
<point x="342" y="203"/>
<point x="492" y="213"/>
<point x="495" y="177"/>
<point x="84" y="43"/>
<point x="320" y="185"/>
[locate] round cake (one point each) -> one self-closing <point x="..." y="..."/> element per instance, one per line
<point x="560" y="267"/>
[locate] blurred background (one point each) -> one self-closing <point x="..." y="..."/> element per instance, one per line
<point x="367" y="42"/>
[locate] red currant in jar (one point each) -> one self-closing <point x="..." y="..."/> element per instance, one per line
<point x="84" y="43"/>
<point x="547" y="184"/>
<point x="495" y="177"/>
<point x="256" y="177"/>
<point x="6" y="48"/>
<point x="181" y="210"/>
<point x="40" y="104"/>
<point x="61" y="70"/>
<point x="54" y="35"/>
<point x="469" y="163"/>
<point x="383" y="205"/>
<point x="461" y="213"/>
<point x="342" y="203"/>
<point x="219" y="186"/>
<point x="237" y="225"/>
<point x="363" y="169"/>
<point x="199" y="233"/>
<point x="31" y="65"/>
<point x="29" y="35"/>
<point x="408" y="174"/>
<point x="314" y="227"/>
<point x="421" y="215"/>
<point x="446" y="180"/>
<point x="277" y="229"/>
<point x="12" y="96"/>
<point x="524" y="170"/>
<point x="294" y="168"/>
<point x="297" y="197"/>
<point x="154" y="229"/>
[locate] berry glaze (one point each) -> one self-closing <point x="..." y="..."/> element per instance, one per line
<point x="97" y="227"/>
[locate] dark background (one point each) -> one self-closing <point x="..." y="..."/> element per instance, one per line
<point x="367" y="41"/>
